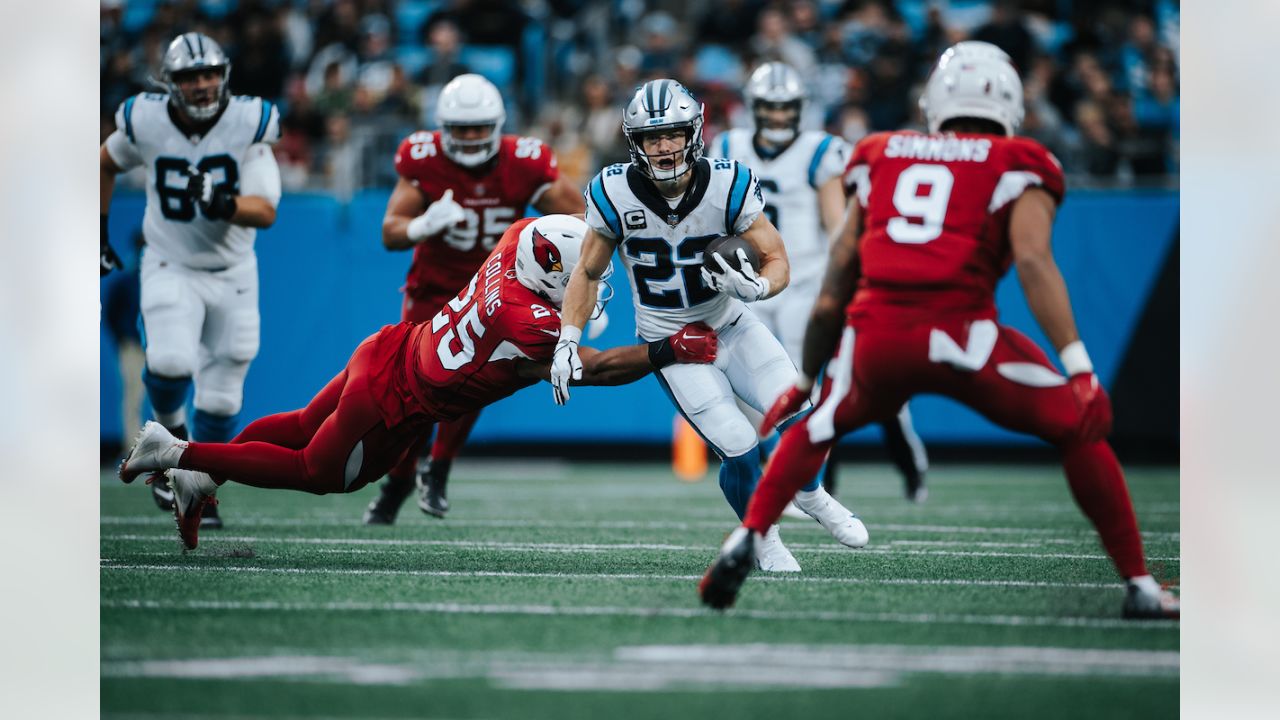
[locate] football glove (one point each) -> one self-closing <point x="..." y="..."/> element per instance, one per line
<point x="442" y="214"/>
<point x="1095" y="407"/>
<point x="110" y="261"/>
<point x="565" y="363"/>
<point x="788" y="403"/>
<point x="216" y="200"/>
<point x="694" y="343"/>
<point x="743" y="283"/>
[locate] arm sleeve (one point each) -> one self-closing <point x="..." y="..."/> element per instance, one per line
<point x="260" y="175"/>
<point x="602" y="214"/>
<point x="829" y="160"/>
<point x="122" y="144"/>
<point x="746" y="200"/>
<point x="1028" y="164"/>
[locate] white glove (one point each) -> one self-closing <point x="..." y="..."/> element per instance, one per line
<point x="743" y="284"/>
<point x="565" y="363"/>
<point x="595" y="328"/>
<point x="442" y="214"/>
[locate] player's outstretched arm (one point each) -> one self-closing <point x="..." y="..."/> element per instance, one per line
<point x="774" y="266"/>
<point x="1030" y="231"/>
<point x="694" y="343"/>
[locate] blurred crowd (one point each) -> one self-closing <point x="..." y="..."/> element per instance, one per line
<point x="354" y="76"/>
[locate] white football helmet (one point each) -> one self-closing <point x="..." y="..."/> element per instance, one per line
<point x="470" y="100"/>
<point x="546" y="253"/>
<point x="975" y="80"/>
<point x="775" y="84"/>
<point x="191" y="53"/>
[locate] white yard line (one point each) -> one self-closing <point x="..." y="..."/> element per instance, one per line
<point x="466" y="574"/>
<point x="619" y="611"/>
<point x="826" y="548"/>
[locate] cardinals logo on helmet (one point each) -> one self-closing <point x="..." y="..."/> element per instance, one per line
<point x="546" y="253"/>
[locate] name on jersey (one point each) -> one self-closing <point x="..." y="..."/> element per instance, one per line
<point x="932" y="147"/>
<point x="493" y="284"/>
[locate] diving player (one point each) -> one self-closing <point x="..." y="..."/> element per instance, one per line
<point x="212" y="182"/>
<point x="800" y="175"/>
<point x="659" y="212"/>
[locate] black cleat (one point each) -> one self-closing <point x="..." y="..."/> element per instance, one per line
<point x="719" y="587"/>
<point x="431" y="487"/>
<point x="210" y="520"/>
<point x="391" y="495"/>
<point x="916" y="490"/>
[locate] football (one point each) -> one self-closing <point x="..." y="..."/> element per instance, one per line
<point x="728" y="246"/>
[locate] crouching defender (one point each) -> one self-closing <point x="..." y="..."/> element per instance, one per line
<point x="496" y="337"/>
<point x="937" y="221"/>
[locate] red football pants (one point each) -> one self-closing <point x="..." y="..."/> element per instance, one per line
<point x="337" y="443"/>
<point x="450" y="435"/>
<point x="991" y="368"/>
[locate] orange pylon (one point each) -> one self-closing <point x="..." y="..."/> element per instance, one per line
<point x="688" y="452"/>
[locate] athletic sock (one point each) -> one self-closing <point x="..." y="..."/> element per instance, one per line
<point x="738" y="476"/>
<point x="168" y="397"/>
<point x="1097" y="482"/>
<point x="211" y="428"/>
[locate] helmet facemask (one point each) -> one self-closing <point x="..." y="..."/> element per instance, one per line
<point x="770" y="126"/>
<point x="463" y="147"/>
<point x="199" y="104"/>
<point x="666" y="168"/>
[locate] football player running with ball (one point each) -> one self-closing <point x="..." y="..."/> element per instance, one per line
<point x="800" y="175"/>
<point x="938" y="220"/>
<point x="494" y="338"/>
<point x="659" y="212"/>
<point x="212" y="181"/>
<point x="460" y="187"/>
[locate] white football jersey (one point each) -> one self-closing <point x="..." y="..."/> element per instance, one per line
<point x="174" y="225"/>
<point x="661" y="247"/>
<point x="790" y="181"/>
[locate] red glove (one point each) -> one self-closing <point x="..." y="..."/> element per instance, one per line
<point x="694" y="343"/>
<point x="787" y="404"/>
<point x="1095" y="407"/>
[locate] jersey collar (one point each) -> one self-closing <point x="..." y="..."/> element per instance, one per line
<point x="644" y="190"/>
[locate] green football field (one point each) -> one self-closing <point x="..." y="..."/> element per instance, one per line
<point x="566" y="590"/>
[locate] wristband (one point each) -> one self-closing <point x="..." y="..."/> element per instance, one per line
<point x="1075" y="359"/>
<point x="804" y="383"/>
<point x="661" y="354"/>
<point x="571" y="334"/>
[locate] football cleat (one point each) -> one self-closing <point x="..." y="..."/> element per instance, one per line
<point x="1148" y="601"/>
<point x="431" y="487"/>
<point x="160" y="492"/>
<point x="154" y="450"/>
<point x="719" y="586"/>
<point x="192" y="492"/>
<point x="772" y="555"/>
<point x="836" y="518"/>
<point x="391" y="495"/>
<point x="916" y="490"/>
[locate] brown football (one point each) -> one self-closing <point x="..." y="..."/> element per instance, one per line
<point x="728" y="246"/>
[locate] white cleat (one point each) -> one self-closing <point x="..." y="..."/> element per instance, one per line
<point x="793" y="512"/>
<point x="772" y="555"/>
<point x="1144" y="599"/>
<point x="192" y="492"/>
<point x="154" y="450"/>
<point x="836" y="518"/>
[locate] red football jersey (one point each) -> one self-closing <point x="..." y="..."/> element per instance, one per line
<point x="936" y="216"/>
<point x="493" y="196"/>
<point x="464" y="358"/>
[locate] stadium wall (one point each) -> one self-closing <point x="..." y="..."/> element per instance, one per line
<point x="327" y="283"/>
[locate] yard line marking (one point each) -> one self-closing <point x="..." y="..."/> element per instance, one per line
<point x="602" y="576"/>
<point x="726" y="525"/>
<point x="827" y="548"/>
<point x="617" y="611"/>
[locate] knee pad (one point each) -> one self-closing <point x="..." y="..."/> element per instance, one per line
<point x="729" y="434"/>
<point x="218" y="401"/>
<point x="209" y="427"/>
<point x="170" y="363"/>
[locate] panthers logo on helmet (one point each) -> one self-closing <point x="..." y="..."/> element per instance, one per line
<point x="545" y="253"/>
